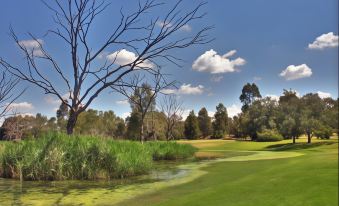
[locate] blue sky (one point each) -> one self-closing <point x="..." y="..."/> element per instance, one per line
<point x="276" y="44"/>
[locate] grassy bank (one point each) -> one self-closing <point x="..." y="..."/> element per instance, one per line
<point x="309" y="179"/>
<point x="60" y="157"/>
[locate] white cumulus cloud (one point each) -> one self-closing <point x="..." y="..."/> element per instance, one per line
<point x="293" y="72"/>
<point x="185" y="28"/>
<point x="124" y="56"/>
<point x="185" y="89"/>
<point x="189" y="89"/>
<point x="233" y="110"/>
<point x="323" y="41"/>
<point x="211" y="113"/>
<point x="273" y="97"/>
<point x="122" y="102"/>
<point x="214" y="63"/>
<point x="216" y="78"/>
<point x="51" y="100"/>
<point x="32" y="46"/>
<point x="257" y="78"/>
<point x="324" y="94"/>
<point x="21" y="106"/>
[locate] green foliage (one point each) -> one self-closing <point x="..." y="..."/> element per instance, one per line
<point x="93" y="122"/>
<point x="142" y="99"/>
<point x="205" y="124"/>
<point x="170" y="150"/>
<point x="249" y="93"/>
<point x="323" y="131"/>
<point x="288" y="115"/>
<point x="269" y="135"/>
<point x="59" y="157"/>
<point x="191" y="126"/>
<point x="133" y="126"/>
<point x="259" y="116"/>
<point x="220" y="121"/>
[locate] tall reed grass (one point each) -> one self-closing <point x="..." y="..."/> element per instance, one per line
<point x="60" y="157"/>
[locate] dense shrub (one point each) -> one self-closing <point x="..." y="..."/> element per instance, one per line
<point x="60" y="157"/>
<point x="269" y="136"/>
<point x="170" y="150"/>
<point x="323" y="132"/>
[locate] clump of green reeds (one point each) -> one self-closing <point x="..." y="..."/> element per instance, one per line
<point x="57" y="156"/>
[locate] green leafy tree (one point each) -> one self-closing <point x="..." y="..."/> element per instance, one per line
<point x="121" y="129"/>
<point x="330" y="114"/>
<point x="261" y="115"/>
<point x="235" y="126"/>
<point x="311" y="112"/>
<point x="39" y="125"/>
<point x="205" y="123"/>
<point x="133" y="126"/>
<point x="250" y="92"/>
<point x="289" y="115"/>
<point x="220" y="121"/>
<point x="192" y="126"/>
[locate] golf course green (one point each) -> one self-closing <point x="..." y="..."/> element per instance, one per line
<point x="284" y="174"/>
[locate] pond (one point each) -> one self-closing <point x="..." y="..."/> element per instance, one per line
<point x="164" y="174"/>
<point x="103" y="192"/>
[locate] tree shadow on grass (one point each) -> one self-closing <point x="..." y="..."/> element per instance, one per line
<point x="297" y="146"/>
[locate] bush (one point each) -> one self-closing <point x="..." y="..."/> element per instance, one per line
<point x="61" y="157"/>
<point x="323" y="132"/>
<point x="269" y="136"/>
<point x="170" y="150"/>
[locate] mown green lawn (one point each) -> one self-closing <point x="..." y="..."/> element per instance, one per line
<point x="310" y="179"/>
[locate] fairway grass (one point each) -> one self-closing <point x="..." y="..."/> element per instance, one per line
<point x="301" y="175"/>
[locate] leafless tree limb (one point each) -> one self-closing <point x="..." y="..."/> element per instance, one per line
<point x="86" y="80"/>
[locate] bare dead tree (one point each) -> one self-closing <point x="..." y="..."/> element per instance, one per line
<point x="142" y="94"/>
<point x="87" y="78"/>
<point x="8" y="93"/>
<point x="173" y="111"/>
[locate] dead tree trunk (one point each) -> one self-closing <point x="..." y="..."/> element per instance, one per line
<point x="73" y="116"/>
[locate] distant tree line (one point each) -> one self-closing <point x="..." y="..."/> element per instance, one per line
<point x="261" y="119"/>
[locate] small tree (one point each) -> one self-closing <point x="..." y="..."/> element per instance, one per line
<point x="142" y="95"/>
<point x="312" y="109"/>
<point x="220" y="121"/>
<point x="309" y="125"/>
<point x="205" y="124"/>
<point x="121" y="129"/>
<point x="191" y="126"/>
<point x="172" y="110"/>
<point x="133" y="126"/>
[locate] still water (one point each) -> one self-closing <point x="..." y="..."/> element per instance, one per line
<point x="103" y="192"/>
